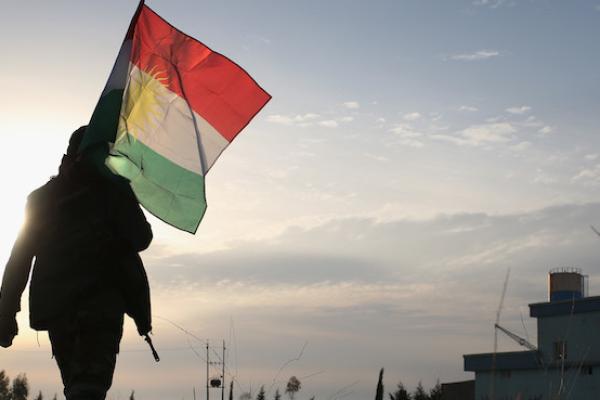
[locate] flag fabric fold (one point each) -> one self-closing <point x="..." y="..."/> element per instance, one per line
<point x="170" y="107"/>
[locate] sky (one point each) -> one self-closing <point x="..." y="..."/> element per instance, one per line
<point x="413" y="152"/>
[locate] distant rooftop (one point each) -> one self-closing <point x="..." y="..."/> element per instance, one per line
<point x="565" y="307"/>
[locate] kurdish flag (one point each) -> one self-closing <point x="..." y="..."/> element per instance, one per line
<point x="170" y="107"/>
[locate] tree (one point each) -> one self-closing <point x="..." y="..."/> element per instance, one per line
<point x="132" y="395"/>
<point x="277" y="395"/>
<point x="39" y="396"/>
<point x="436" y="392"/>
<point x="4" y="388"/>
<point x="379" y="392"/>
<point x="245" y="396"/>
<point x="231" y="390"/>
<point x="261" y="393"/>
<point x="420" y="393"/>
<point x="293" y="387"/>
<point x="400" y="394"/>
<point x="20" y="387"/>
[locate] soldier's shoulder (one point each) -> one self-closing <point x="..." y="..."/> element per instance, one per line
<point x="45" y="191"/>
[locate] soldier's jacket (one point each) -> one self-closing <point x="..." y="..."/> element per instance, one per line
<point x="84" y="231"/>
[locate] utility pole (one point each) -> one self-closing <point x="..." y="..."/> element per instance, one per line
<point x="216" y="382"/>
<point x="207" y="371"/>
<point x="223" y="374"/>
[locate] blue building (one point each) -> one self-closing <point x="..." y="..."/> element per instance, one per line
<point x="565" y="364"/>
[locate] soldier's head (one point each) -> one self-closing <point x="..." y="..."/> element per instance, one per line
<point x="75" y="142"/>
<point x="72" y="155"/>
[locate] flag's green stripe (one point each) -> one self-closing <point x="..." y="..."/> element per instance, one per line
<point x="170" y="192"/>
<point x="105" y="120"/>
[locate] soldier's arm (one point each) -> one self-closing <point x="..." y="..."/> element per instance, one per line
<point x="131" y="221"/>
<point x="16" y="275"/>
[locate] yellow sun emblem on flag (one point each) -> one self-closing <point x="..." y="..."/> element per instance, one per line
<point x="142" y="109"/>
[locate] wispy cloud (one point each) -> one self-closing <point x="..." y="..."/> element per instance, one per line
<point x="413" y="116"/>
<point x="292" y="119"/>
<point x="352" y="105"/>
<point x="518" y="110"/>
<point x="329" y="123"/>
<point x="490" y="3"/>
<point x="408" y="136"/>
<point x="475" y="56"/>
<point x="480" y="135"/>
<point x="588" y="176"/>
<point x="591" y="157"/>
<point x="489" y="133"/>
<point x="468" y="108"/>
<point x="521" y="146"/>
<point x="545" y="130"/>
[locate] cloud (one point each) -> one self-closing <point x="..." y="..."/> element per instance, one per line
<point x="476" y="56"/>
<point x="480" y="135"/>
<point x="347" y="119"/>
<point x="491" y="3"/>
<point x="588" y="176"/>
<point x="292" y="119"/>
<point x="352" y="105"/>
<point x="518" y="110"/>
<point x="407" y="136"/>
<point x="545" y="130"/>
<point x="522" y="146"/>
<point x="591" y="157"/>
<point x="468" y="108"/>
<point x="489" y="133"/>
<point x="329" y="123"/>
<point x="413" y="116"/>
<point x="366" y="250"/>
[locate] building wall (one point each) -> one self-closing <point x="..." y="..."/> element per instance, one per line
<point x="539" y="384"/>
<point x="580" y="332"/>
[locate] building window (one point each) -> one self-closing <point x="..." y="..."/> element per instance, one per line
<point x="560" y="350"/>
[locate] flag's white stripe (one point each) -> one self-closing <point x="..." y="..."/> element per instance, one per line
<point x="177" y="132"/>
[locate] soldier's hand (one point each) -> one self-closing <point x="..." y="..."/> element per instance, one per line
<point x="8" y="330"/>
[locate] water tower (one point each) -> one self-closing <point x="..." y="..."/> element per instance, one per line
<point x="566" y="284"/>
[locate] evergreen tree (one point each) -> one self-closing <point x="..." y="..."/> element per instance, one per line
<point x="132" y="395"/>
<point x="39" y="396"/>
<point x="400" y="394"/>
<point x="436" y="392"/>
<point x="231" y="390"/>
<point x="261" y="393"/>
<point x="293" y="387"/>
<point x="4" y="388"/>
<point x="420" y="393"/>
<point x="379" y="392"/>
<point x="20" y="388"/>
<point x="277" y="395"/>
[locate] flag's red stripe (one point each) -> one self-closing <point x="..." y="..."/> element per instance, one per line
<point x="215" y="87"/>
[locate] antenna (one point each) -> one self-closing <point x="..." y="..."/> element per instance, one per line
<point x="498" y="312"/>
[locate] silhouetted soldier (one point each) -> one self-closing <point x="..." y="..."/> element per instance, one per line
<point x="85" y="231"/>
